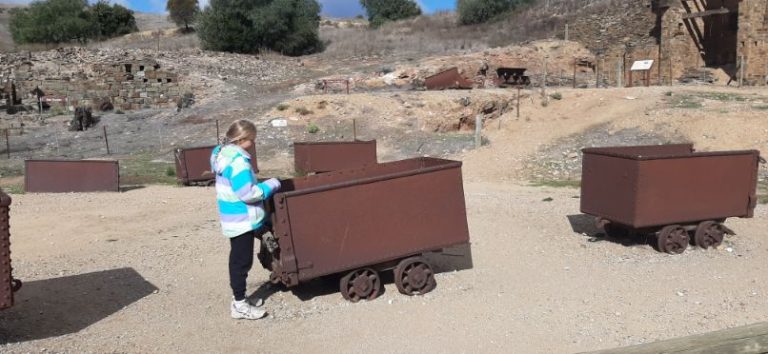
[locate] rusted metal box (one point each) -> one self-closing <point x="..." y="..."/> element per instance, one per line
<point x="320" y="157"/>
<point x="642" y="187"/>
<point x="372" y="218"/>
<point x="7" y="284"/>
<point x="63" y="176"/>
<point x="193" y="165"/>
<point x="448" y="79"/>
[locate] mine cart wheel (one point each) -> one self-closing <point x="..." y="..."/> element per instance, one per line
<point x="360" y="284"/>
<point x="673" y="239"/>
<point x="414" y="276"/>
<point x="15" y="285"/>
<point x="210" y="183"/>
<point x="709" y="234"/>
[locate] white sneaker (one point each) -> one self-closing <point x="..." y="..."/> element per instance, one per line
<point x="246" y="310"/>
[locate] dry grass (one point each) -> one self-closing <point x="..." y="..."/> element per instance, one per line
<point x="167" y="40"/>
<point x="440" y="33"/>
<point x="423" y="35"/>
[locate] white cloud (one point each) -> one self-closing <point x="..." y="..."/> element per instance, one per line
<point x="203" y="3"/>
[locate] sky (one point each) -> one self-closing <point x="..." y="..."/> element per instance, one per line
<point x="332" y="8"/>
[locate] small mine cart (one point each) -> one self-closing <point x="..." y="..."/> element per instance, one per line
<point x="670" y="191"/>
<point x="8" y="285"/>
<point x="321" y="157"/>
<point x="193" y="165"/>
<point x="360" y="222"/>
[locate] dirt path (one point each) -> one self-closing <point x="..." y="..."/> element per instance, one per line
<point x="149" y="275"/>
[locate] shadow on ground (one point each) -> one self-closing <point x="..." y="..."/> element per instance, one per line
<point x="449" y="260"/>
<point x="585" y="225"/>
<point x="59" y="306"/>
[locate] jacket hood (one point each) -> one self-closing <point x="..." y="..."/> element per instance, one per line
<point x="223" y="156"/>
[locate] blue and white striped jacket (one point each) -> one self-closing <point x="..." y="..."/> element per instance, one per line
<point x="239" y="196"/>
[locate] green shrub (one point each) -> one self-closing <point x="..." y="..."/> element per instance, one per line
<point x="281" y="107"/>
<point x="382" y="11"/>
<point x="556" y="96"/>
<point x="246" y="26"/>
<point x="303" y="111"/>
<point x="170" y="172"/>
<point x="312" y="128"/>
<point x="479" y="11"/>
<point x="62" y="21"/>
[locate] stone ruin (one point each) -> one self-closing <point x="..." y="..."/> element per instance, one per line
<point x="102" y="83"/>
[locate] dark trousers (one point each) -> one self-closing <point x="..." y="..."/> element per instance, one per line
<point x="240" y="262"/>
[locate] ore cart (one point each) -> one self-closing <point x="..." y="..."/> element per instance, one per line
<point x="321" y="157"/>
<point x="8" y="285"/>
<point x="670" y="191"/>
<point x="193" y="165"/>
<point x="361" y="222"/>
<point x="71" y="176"/>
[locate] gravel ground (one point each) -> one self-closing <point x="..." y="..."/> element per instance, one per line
<point x="151" y="277"/>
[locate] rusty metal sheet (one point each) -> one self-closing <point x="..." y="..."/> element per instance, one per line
<point x="349" y="219"/>
<point x="448" y="79"/>
<point x="6" y="276"/>
<point x="193" y="165"/>
<point x="63" y="176"/>
<point x="320" y="157"/>
<point x="651" y="186"/>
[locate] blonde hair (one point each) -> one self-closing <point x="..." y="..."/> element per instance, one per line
<point x="240" y="130"/>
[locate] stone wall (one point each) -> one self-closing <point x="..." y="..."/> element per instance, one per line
<point x="127" y="85"/>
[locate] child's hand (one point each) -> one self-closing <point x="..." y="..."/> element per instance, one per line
<point x="273" y="183"/>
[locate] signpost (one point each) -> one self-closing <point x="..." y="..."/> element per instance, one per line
<point x="643" y="66"/>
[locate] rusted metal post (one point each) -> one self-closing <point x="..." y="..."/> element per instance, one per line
<point x="648" y="78"/>
<point x="21" y="127"/>
<point x="574" y="73"/>
<point x="7" y="144"/>
<point x="518" y="101"/>
<point x="544" y="80"/>
<point x="106" y="140"/>
<point x="218" y="135"/>
<point x="347" y="82"/>
<point x="478" y="131"/>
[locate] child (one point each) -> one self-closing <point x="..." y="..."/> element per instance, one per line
<point x="240" y="199"/>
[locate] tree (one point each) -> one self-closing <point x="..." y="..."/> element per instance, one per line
<point x="183" y="12"/>
<point x="248" y="26"/>
<point x="479" y="11"/>
<point x="51" y="21"/>
<point x="111" y="20"/>
<point x="381" y="11"/>
<point x="61" y="21"/>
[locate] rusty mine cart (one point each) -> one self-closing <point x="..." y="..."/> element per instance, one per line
<point x="357" y="223"/>
<point x="8" y="285"/>
<point x="193" y="165"/>
<point x="670" y="191"/>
